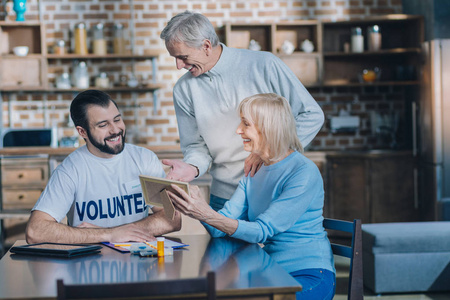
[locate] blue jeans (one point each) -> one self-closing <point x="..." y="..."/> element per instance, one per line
<point x="316" y="284"/>
<point x="216" y="203"/>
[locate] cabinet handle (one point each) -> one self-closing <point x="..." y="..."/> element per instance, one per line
<point x="416" y="189"/>
<point x="21" y="197"/>
<point x="21" y="175"/>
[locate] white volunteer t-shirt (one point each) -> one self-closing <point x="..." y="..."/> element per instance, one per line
<point x="102" y="191"/>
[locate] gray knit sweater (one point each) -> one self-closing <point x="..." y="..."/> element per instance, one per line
<point x="206" y="109"/>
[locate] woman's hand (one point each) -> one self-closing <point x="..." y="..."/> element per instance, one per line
<point x="193" y="206"/>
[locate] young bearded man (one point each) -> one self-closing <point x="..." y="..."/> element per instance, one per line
<point x="97" y="186"/>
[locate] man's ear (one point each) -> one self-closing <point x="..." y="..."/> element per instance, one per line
<point x="82" y="132"/>
<point x="207" y="47"/>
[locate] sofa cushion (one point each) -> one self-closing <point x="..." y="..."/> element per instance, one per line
<point x="406" y="237"/>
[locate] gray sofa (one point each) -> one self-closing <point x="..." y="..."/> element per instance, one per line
<point x="406" y="257"/>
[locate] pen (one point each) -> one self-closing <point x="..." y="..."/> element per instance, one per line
<point x="150" y="245"/>
<point x="122" y="245"/>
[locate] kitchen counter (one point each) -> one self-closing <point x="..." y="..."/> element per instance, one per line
<point x="161" y="151"/>
<point x="175" y="152"/>
<point x="368" y="153"/>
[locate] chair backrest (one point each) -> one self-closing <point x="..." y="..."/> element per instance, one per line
<point x="195" y="288"/>
<point x="354" y="252"/>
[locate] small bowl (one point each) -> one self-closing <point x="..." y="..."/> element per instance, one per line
<point x="21" y="50"/>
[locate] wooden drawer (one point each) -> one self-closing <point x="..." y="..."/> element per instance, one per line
<point x="25" y="174"/>
<point x="20" y="199"/>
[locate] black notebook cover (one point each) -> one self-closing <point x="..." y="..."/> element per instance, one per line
<point x="54" y="249"/>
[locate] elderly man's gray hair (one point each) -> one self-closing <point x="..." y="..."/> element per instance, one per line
<point x="191" y="29"/>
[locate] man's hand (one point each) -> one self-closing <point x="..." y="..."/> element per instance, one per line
<point x="130" y="232"/>
<point x="252" y="164"/>
<point x="180" y="170"/>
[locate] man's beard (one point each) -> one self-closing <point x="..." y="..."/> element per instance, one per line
<point x="103" y="147"/>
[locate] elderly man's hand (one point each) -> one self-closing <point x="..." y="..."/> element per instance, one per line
<point x="179" y="170"/>
<point x="252" y="164"/>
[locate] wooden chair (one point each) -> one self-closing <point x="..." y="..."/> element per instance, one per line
<point x="354" y="252"/>
<point x="196" y="288"/>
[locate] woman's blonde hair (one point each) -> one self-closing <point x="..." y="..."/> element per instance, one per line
<point x="273" y="117"/>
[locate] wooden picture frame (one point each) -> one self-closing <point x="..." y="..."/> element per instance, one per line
<point x="155" y="192"/>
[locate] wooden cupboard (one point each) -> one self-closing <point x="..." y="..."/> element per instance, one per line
<point x="12" y="75"/>
<point x="271" y="37"/>
<point x="39" y="61"/>
<point x="22" y="179"/>
<point x="330" y="64"/>
<point x="371" y="187"/>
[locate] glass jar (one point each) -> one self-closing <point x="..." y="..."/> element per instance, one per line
<point x="102" y="81"/>
<point x="374" y="38"/>
<point x="63" y="81"/>
<point x="357" y="40"/>
<point x="60" y="47"/>
<point x="80" y="75"/>
<point x="119" y="40"/>
<point x="98" y="40"/>
<point x="80" y="37"/>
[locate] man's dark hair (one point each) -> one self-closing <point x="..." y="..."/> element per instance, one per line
<point x="79" y="105"/>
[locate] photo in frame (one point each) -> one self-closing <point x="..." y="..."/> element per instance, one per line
<point x="155" y="192"/>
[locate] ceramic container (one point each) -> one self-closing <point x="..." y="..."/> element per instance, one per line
<point x="21" y="50"/>
<point x="307" y="46"/>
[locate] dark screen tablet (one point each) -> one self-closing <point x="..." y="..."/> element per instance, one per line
<point x="53" y="249"/>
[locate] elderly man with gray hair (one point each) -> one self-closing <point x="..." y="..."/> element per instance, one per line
<point x="206" y="99"/>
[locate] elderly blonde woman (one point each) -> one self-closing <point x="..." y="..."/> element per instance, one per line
<point x="281" y="206"/>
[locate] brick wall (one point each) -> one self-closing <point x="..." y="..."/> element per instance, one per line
<point x="37" y="109"/>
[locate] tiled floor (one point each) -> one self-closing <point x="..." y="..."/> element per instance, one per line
<point x="342" y="265"/>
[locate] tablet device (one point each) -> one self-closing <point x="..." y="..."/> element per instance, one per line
<point x="155" y="192"/>
<point x="54" y="249"/>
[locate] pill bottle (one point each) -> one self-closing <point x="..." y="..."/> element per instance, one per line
<point x="160" y="246"/>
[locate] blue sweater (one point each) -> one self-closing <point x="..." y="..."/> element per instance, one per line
<point x="281" y="207"/>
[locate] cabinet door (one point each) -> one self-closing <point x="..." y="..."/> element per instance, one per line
<point x="392" y="190"/>
<point x="347" y="189"/>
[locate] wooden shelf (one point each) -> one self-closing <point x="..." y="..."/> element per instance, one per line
<point x="30" y="55"/>
<point x="374" y="19"/>
<point x="108" y="56"/>
<point x="140" y="89"/>
<point x="375" y="53"/>
<point x="369" y="84"/>
<point x="14" y="214"/>
<point x="20" y="24"/>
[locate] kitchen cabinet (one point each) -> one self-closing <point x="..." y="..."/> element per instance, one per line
<point x="329" y="64"/>
<point x="271" y="37"/>
<point x="23" y="178"/>
<point x="371" y="186"/>
<point x="38" y="62"/>
<point x="12" y="75"/>
<point x="398" y="59"/>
